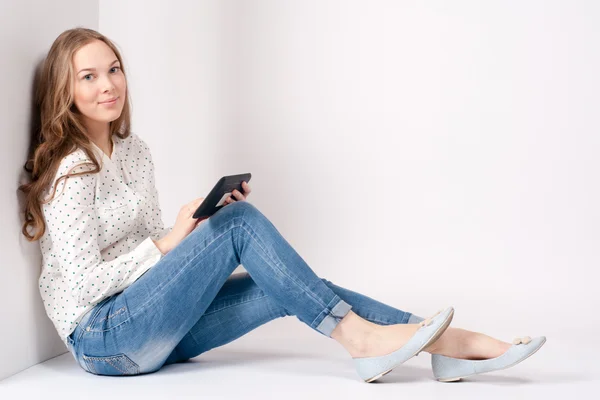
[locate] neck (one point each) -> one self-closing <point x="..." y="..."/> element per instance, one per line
<point x="99" y="133"/>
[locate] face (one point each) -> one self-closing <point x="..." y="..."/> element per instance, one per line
<point x="98" y="78"/>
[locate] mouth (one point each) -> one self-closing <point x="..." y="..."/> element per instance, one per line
<point x="111" y="101"/>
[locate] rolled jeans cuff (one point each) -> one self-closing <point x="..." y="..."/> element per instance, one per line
<point x="333" y="317"/>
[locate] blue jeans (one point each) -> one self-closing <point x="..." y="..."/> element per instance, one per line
<point x="189" y="302"/>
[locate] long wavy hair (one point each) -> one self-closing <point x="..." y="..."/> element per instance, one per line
<point x="61" y="129"/>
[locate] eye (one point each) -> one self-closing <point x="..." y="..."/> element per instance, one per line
<point x="85" y="77"/>
<point x="116" y="68"/>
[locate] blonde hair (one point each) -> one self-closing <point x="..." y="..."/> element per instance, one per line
<point x="61" y="129"/>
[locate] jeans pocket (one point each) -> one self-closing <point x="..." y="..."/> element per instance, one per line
<point x="118" y="364"/>
<point x="110" y="315"/>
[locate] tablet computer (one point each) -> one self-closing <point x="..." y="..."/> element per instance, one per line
<point x="219" y="193"/>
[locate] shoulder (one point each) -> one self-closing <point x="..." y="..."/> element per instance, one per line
<point x="76" y="161"/>
<point x="140" y="149"/>
<point x="137" y="141"/>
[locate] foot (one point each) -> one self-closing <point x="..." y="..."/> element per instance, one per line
<point x="448" y="369"/>
<point x="385" y="339"/>
<point x="362" y="338"/>
<point x="467" y="345"/>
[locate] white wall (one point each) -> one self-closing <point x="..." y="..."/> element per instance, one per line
<point x="27" y="30"/>
<point x="432" y="153"/>
<point x="175" y="54"/>
<point x="178" y="57"/>
<point x="424" y="153"/>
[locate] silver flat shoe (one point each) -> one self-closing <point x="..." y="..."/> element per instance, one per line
<point x="448" y="369"/>
<point x="372" y="368"/>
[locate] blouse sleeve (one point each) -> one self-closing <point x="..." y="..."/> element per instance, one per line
<point x="155" y="220"/>
<point x="155" y="223"/>
<point x="71" y="221"/>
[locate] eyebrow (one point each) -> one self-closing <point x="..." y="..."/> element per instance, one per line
<point x="93" y="69"/>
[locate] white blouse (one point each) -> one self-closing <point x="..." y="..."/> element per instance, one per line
<point x="99" y="231"/>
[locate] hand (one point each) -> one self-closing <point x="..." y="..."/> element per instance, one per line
<point x="185" y="222"/>
<point x="238" y="195"/>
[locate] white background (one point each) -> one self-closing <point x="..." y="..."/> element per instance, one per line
<point x="425" y="154"/>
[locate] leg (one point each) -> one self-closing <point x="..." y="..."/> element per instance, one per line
<point x="241" y="306"/>
<point x="136" y="330"/>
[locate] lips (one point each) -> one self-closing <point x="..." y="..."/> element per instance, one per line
<point x="109" y="101"/>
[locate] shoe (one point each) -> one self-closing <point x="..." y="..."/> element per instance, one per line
<point x="372" y="368"/>
<point x="448" y="369"/>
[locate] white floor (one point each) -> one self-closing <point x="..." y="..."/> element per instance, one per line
<point x="265" y="365"/>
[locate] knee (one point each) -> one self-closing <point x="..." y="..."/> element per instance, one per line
<point x="244" y="205"/>
<point x="237" y="209"/>
<point x="246" y="210"/>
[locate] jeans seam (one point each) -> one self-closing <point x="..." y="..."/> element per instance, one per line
<point x="236" y="304"/>
<point x="299" y="284"/>
<point x="90" y="320"/>
<point x="327" y="311"/>
<point x="110" y="361"/>
<point x="90" y="365"/>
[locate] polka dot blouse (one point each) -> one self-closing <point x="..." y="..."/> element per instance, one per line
<point x="99" y="230"/>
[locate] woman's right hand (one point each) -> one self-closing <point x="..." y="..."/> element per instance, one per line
<point x="184" y="224"/>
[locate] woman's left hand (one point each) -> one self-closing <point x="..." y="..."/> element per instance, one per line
<point x="237" y="196"/>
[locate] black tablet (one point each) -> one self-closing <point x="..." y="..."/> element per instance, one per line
<point x="219" y="193"/>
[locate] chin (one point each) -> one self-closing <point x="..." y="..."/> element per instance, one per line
<point x="109" y="116"/>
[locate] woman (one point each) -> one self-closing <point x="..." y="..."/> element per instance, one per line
<point x="128" y="296"/>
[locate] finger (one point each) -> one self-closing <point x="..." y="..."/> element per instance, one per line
<point x="196" y="202"/>
<point x="193" y="206"/>
<point x="246" y="188"/>
<point x="239" y="195"/>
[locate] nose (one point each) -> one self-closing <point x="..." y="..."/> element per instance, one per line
<point x="107" y="84"/>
